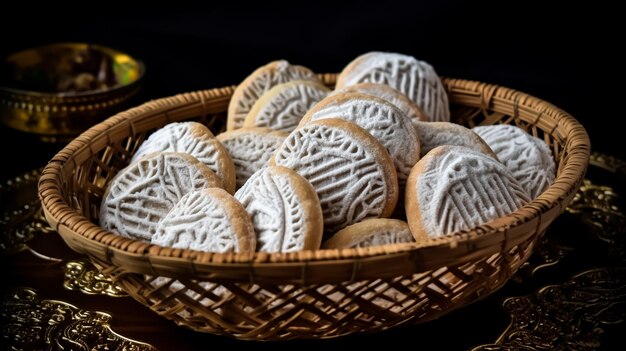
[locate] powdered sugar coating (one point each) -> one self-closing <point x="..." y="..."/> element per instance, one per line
<point x="454" y="188"/>
<point x="529" y="158"/>
<point x="198" y="141"/>
<point x="415" y="79"/>
<point x="250" y="149"/>
<point x="389" y="94"/>
<point x="284" y="209"/>
<point x="381" y="119"/>
<point x="433" y="134"/>
<point x="142" y="194"/>
<point x="352" y="174"/>
<point x="282" y="107"/>
<point x="371" y="232"/>
<point x="259" y="82"/>
<point x="209" y="220"/>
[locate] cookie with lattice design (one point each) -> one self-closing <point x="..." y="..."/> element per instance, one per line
<point x="282" y="107"/>
<point x="389" y="94"/>
<point x="198" y="141"/>
<point x="143" y="193"/>
<point x="413" y="78"/>
<point x="250" y="149"/>
<point x="257" y="84"/>
<point x="351" y="172"/>
<point x="528" y="157"/>
<point x="371" y="232"/>
<point x="454" y="188"/>
<point x="209" y="220"/>
<point x="433" y="134"/>
<point x="284" y="209"/>
<point x="390" y="126"/>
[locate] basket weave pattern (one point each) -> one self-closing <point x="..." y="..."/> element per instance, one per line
<point x="310" y="294"/>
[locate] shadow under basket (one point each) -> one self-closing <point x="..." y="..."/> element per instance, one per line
<point x="309" y="294"/>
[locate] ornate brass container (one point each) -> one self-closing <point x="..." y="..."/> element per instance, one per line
<point x="57" y="91"/>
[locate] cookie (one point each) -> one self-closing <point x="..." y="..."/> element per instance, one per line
<point x="284" y="209"/>
<point x="250" y="149"/>
<point x="143" y="193"/>
<point x="529" y="158"/>
<point x="388" y="94"/>
<point x="282" y="107"/>
<point x="381" y="119"/>
<point x="454" y="188"/>
<point x="433" y="134"/>
<point x="257" y="84"/>
<point x="413" y="78"/>
<point x="209" y="220"/>
<point x="198" y="141"/>
<point x="351" y="172"/>
<point x="371" y="232"/>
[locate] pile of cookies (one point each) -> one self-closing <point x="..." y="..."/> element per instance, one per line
<point x="374" y="162"/>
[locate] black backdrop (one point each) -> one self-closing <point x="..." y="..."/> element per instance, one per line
<point x="567" y="55"/>
<point x="564" y="54"/>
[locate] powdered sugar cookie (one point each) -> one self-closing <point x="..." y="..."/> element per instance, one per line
<point x="352" y="174"/>
<point x="529" y="158"/>
<point x="208" y="220"/>
<point x="198" y="141"/>
<point x="388" y="94"/>
<point x="433" y="134"/>
<point x="454" y="188"/>
<point x="381" y="119"/>
<point x="371" y="232"/>
<point x="282" y="107"/>
<point x="284" y="209"/>
<point x="415" y="79"/>
<point x="250" y="149"/>
<point x="259" y="82"/>
<point x="142" y="194"/>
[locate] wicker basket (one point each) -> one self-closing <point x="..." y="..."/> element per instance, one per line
<point x="310" y="294"/>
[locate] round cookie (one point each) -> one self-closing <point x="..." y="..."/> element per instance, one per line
<point x="371" y="232"/>
<point x="282" y="107"/>
<point x="250" y="149"/>
<point x="284" y="209"/>
<point x="433" y="134"/>
<point x="381" y="119"/>
<point x="388" y="94"/>
<point x="454" y="188"/>
<point x="352" y="174"/>
<point x="209" y="220"/>
<point x="142" y="194"/>
<point x="413" y="78"/>
<point x="529" y="158"/>
<point x="259" y="82"/>
<point x="198" y="141"/>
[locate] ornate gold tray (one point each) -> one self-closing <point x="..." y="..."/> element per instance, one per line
<point x="569" y="295"/>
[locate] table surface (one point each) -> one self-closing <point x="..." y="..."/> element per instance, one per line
<point x="569" y="295"/>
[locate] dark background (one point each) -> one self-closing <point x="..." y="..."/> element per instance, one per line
<point x="565" y="54"/>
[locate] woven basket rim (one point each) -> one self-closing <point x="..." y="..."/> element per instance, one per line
<point x="499" y="234"/>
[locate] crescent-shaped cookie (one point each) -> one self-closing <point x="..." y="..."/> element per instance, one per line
<point x="257" y="84"/>
<point x="250" y="149"/>
<point x="284" y="209"/>
<point x="209" y="220"/>
<point x="198" y="141"/>
<point x="454" y="188"/>
<point x="351" y="172"/>
<point x="415" y="79"/>
<point x="384" y="121"/>
<point x="371" y="232"/>
<point x="142" y="194"/>
<point x="283" y="106"/>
